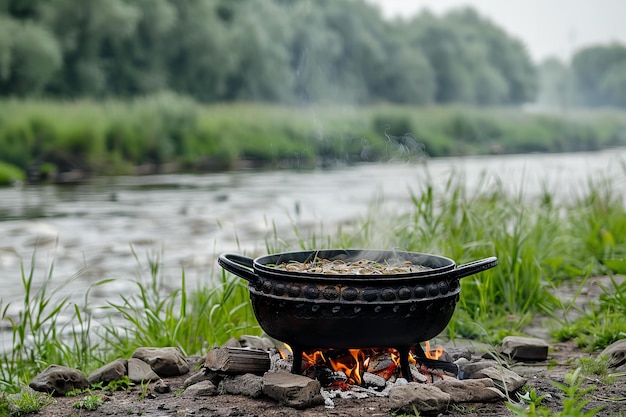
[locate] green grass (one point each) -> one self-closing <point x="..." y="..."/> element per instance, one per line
<point x="192" y="322"/>
<point x="26" y="402"/>
<point x="602" y="321"/>
<point x="91" y="402"/>
<point x="573" y="400"/>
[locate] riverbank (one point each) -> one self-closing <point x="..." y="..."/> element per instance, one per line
<point x="48" y="141"/>
<point x="569" y="227"/>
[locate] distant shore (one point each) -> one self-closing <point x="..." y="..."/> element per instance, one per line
<point x="48" y="141"/>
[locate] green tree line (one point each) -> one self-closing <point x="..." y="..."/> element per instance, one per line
<point x="279" y="51"/>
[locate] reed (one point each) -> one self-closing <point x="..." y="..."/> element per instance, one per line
<point x="119" y="137"/>
<point x="192" y="321"/>
<point x="35" y="331"/>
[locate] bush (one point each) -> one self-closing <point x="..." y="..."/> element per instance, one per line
<point x="10" y="174"/>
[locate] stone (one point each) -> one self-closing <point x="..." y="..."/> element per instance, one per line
<point x="470" y="390"/>
<point x="112" y="371"/>
<point x="59" y="380"/>
<point x="201" y="389"/>
<point x="232" y="342"/>
<point x="167" y="361"/>
<point x="247" y="384"/>
<point x="203" y="374"/>
<point x="373" y="380"/>
<point x="140" y="372"/>
<point x="616" y="355"/>
<point x="521" y="348"/>
<point x="504" y="379"/>
<point x="293" y="390"/>
<point x="162" y="387"/>
<point x="417" y="375"/>
<point x="468" y="369"/>
<point x="251" y="342"/>
<point x="256" y="342"/>
<point x="457" y="353"/>
<point x="425" y="398"/>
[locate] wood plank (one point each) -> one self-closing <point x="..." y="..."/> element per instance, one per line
<point x="237" y="360"/>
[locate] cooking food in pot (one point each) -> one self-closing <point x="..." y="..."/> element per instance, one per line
<point x="360" y="267"/>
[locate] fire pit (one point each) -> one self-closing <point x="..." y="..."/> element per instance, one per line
<point x="313" y="310"/>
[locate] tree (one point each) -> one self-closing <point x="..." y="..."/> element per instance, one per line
<point x="600" y="73"/>
<point x="200" y="58"/>
<point x="474" y="61"/>
<point x="29" y="57"/>
<point x="259" y="40"/>
<point x="443" y="48"/>
<point x="84" y="30"/>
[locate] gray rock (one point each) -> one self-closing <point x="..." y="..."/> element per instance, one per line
<point x="468" y="369"/>
<point x="201" y="389"/>
<point x="426" y="398"/>
<point x="167" y="361"/>
<point x="256" y="342"/>
<point x="251" y="342"/>
<point x="373" y="380"/>
<point x="525" y="348"/>
<point x="162" y="387"/>
<point x="140" y="372"/>
<point x="616" y="355"/>
<point x="203" y="374"/>
<point x="504" y="379"/>
<point x="59" y="380"/>
<point x="417" y="375"/>
<point x="247" y="384"/>
<point x="293" y="390"/>
<point x="457" y="353"/>
<point x="112" y="371"/>
<point x="470" y="390"/>
<point x="232" y="342"/>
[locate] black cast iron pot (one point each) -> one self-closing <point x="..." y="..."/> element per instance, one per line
<point x="315" y="311"/>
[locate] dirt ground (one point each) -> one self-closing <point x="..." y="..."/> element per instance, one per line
<point x="562" y="359"/>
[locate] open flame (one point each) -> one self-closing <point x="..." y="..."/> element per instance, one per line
<point x="355" y="362"/>
<point x="434" y="353"/>
<point x="352" y="362"/>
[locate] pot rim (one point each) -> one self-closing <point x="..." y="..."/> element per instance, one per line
<point x="261" y="266"/>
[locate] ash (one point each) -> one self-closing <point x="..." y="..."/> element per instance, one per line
<point x="357" y="391"/>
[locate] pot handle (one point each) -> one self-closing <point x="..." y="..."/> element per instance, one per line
<point x="475" y="267"/>
<point x="238" y="265"/>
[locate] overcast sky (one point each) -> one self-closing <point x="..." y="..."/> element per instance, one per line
<point x="547" y="27"/>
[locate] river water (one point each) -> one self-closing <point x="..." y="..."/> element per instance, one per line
<point x="90" y="231"/>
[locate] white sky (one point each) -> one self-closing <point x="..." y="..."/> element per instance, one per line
<point x="547" y="27"/>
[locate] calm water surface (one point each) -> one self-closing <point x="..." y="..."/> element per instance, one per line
<point x="89" y="231"/>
